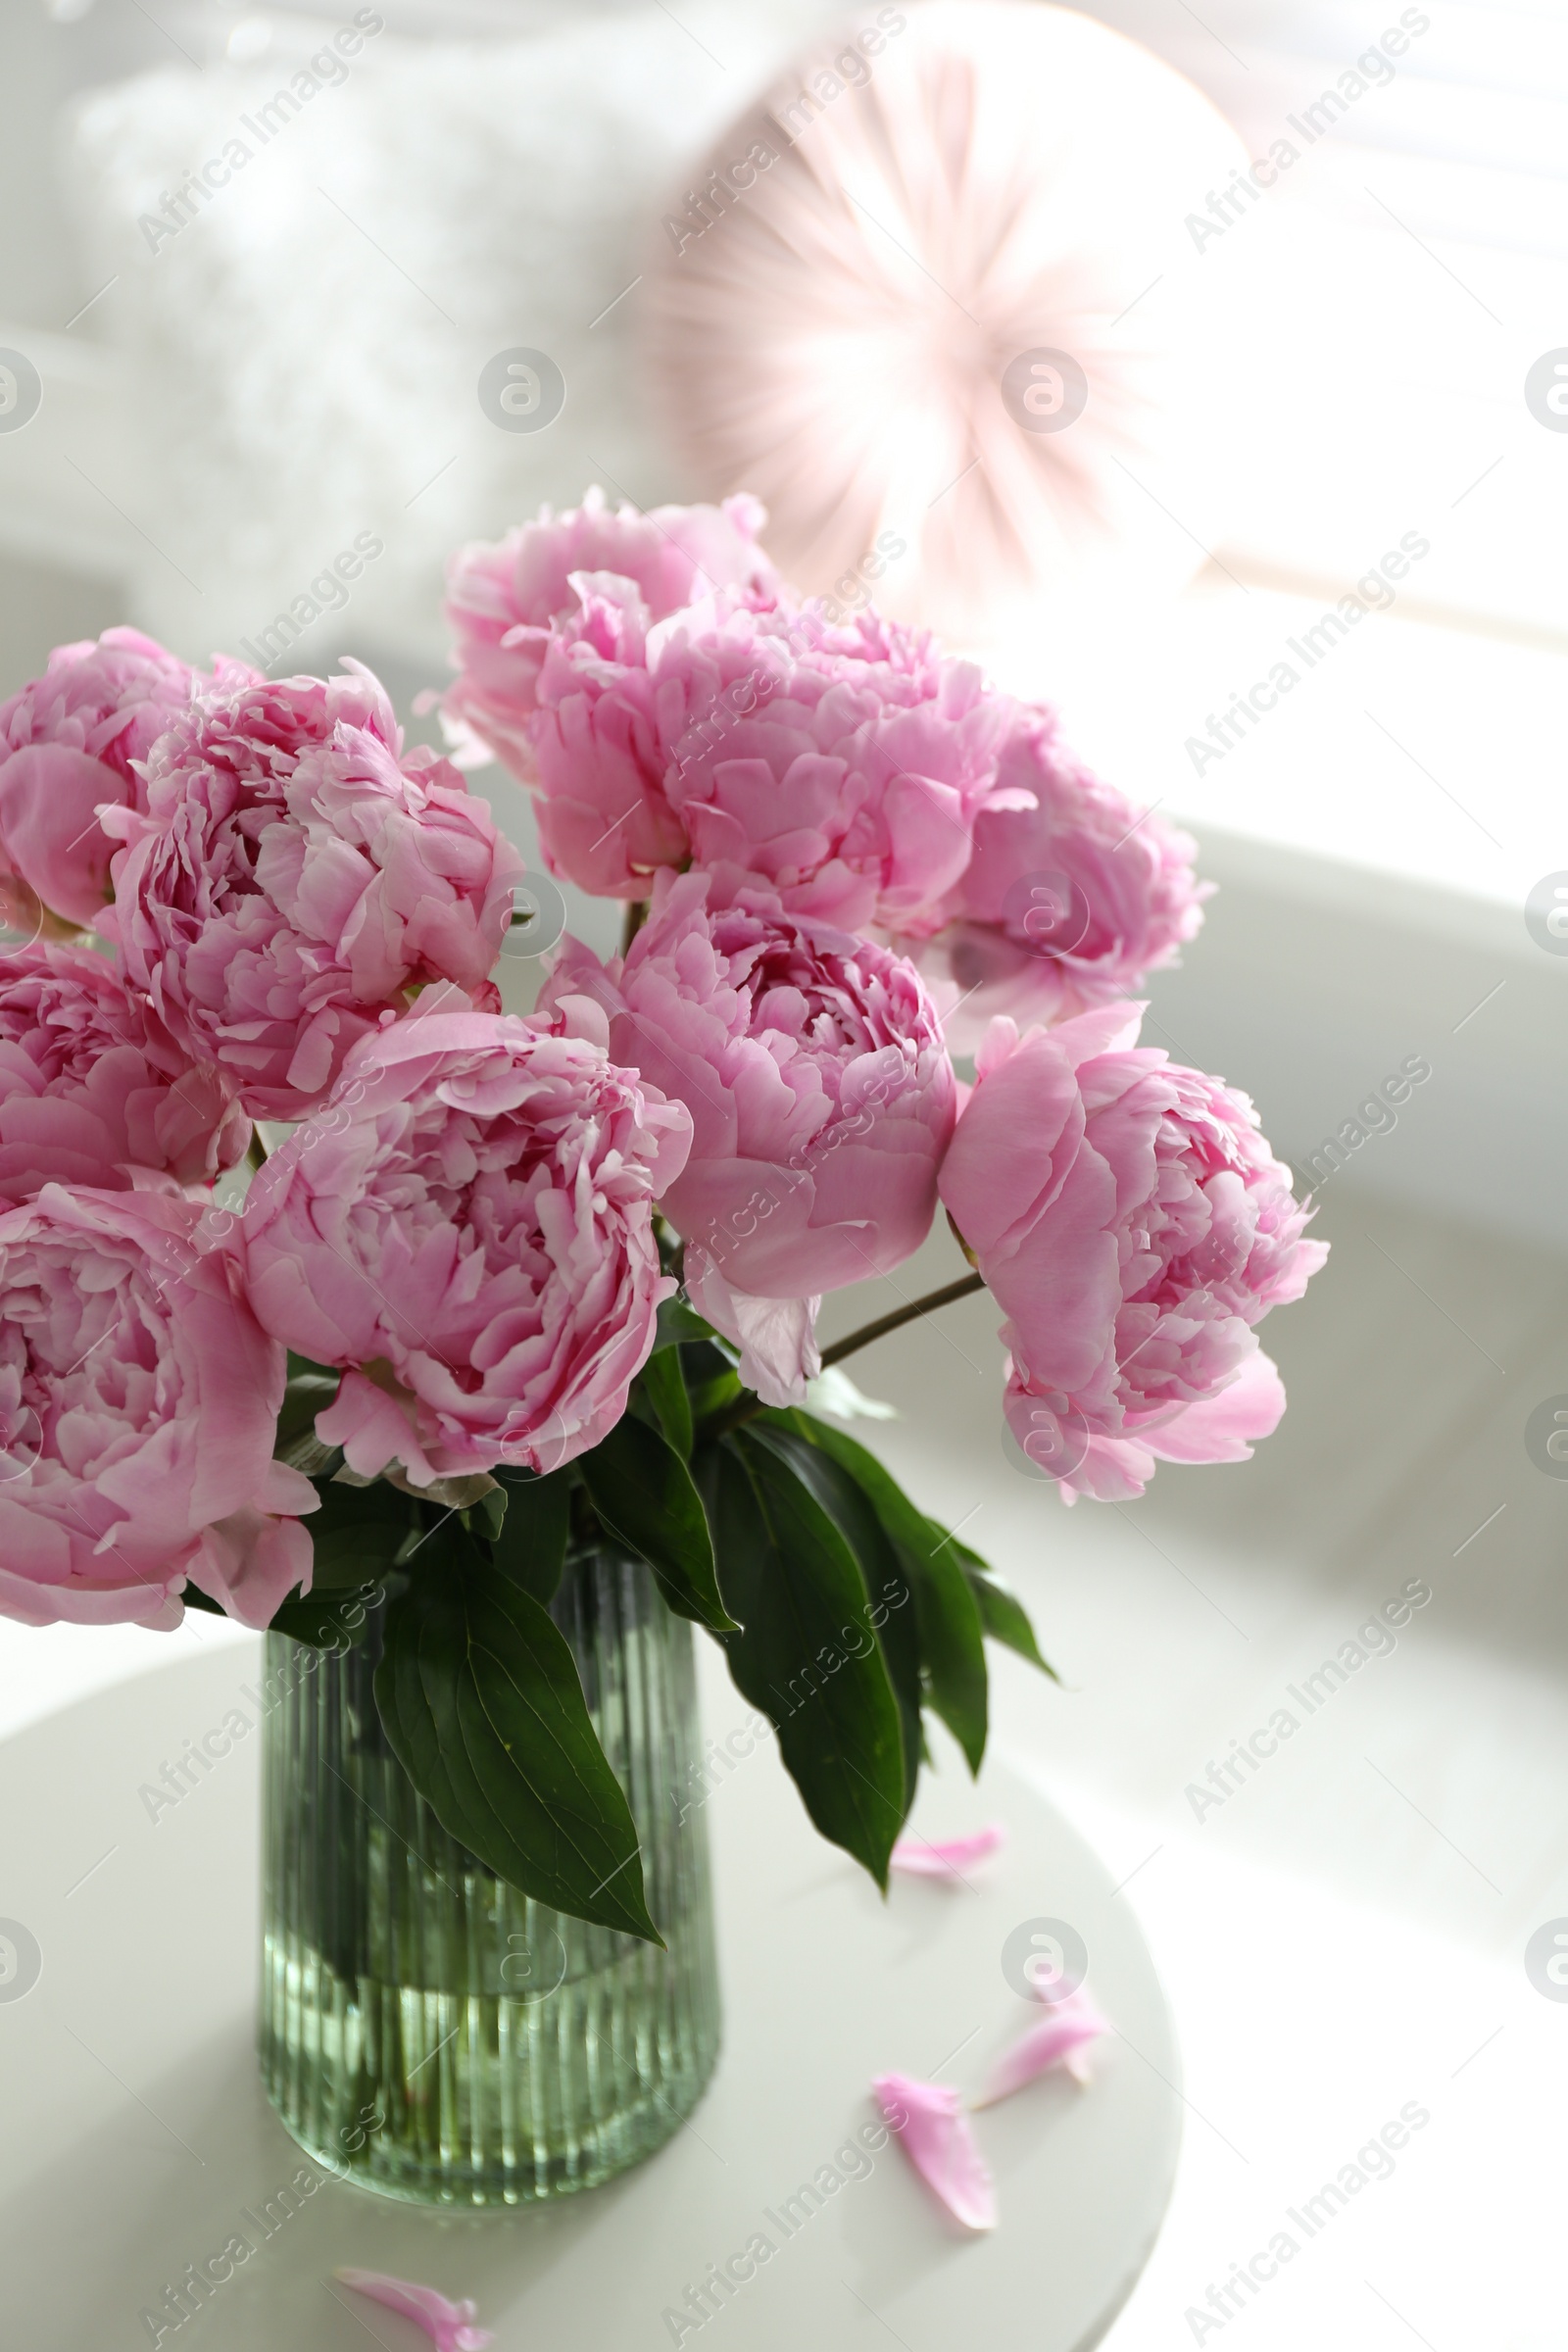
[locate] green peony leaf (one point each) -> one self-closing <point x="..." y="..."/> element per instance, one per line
<point x="889" y="1591"/>
<point x="480" y="1698"/>
<point x="531" y="1547"/>
<point x="309" y="1392"/>
<point x="665" y="1385"/>
<point x="643" y="1494"/>
<point x="789" y="1573"/>
<point x="711" y="1379"/>
<point x="1001" y="1612"/>
<point x="332" y="1620"/>
<point x="953" y="1655"/>
<point x="678" y="1322"/>
<point x="356" y="1531"/>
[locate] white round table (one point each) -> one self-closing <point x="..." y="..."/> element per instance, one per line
<point x="137" y="2141"/>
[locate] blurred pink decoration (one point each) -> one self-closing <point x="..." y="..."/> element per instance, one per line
<point x="1063" y="2037"/>
<point x="937" y="287"/>
<point x="931" y="2128"/>
<point x="449" y="2325"/>
<point x="948" y="1857"/>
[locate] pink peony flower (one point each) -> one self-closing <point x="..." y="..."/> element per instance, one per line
<point x="1064" y="906"/>
<point x="66" y="743"/>
<point x="821" y="1100"/>
<point x="1134" y="1225"/>
<point x="504" y="594"/>
<point x="138" y="1405"/>
<point x="83" y="1097"/>
<point x="294" y="875"/>
<point x="841" y="768"/>
<point x="467" y="1228"/>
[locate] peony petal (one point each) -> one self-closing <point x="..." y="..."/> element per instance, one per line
<point x="373" y="1430"/>
<point x="250" y="1563"/>
<point x="49" y="794"/>
<point x="934" y="2133"/>
<point x="449" y="2325"/>
<point x="72" y="745"/>
<point x="1061" y="2038"/>
<point x="948" y="1857"/>
<point x="1108" y="1029"/>
<point x="776" y="1337"/>
<point x="1221" y="1428"/>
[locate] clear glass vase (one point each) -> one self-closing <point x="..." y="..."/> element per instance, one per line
<point x="427" y="2030"/>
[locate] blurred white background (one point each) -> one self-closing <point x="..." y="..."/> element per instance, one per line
<point x="218" y="416"/>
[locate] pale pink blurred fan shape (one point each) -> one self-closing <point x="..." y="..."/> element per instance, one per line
<point x="951" y="191"/>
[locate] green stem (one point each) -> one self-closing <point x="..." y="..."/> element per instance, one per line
<point x="961" y="1288"/>
<point x="746" y="1408"/>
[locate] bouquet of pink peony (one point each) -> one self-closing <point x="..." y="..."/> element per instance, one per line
<point x="509" y="1290"/>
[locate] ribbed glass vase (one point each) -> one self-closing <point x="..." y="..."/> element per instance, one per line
<point x="427" y="2030"/>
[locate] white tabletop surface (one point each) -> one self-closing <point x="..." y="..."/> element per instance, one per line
<point x="137" y="2140"/>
